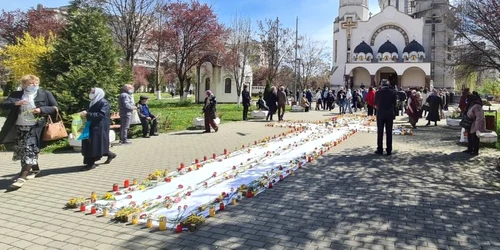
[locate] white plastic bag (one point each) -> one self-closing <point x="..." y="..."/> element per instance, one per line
<point x="135" y="118"/>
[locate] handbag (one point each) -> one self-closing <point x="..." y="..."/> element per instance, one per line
<point x="135" y="118"/>
<point x="466" y="122"/>
<point x="54" y="130"/>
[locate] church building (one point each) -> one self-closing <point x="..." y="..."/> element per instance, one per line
<point x="406" y="44"/>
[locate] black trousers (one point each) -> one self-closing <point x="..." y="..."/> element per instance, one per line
<point x="245" y="112"/>
<point x="387" y="125"/>
<point x="472" y="142"/>
<point x="145" y="126"/>
<point x="370" y="110"/>
<point x="281" y="112"/>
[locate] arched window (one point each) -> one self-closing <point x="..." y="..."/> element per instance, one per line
<point x="227" y="86"/>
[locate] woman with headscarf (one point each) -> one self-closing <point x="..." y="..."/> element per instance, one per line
<point x="474" y="111"/>
<point x="97" y="145"/>
<point x="413" y="108"/>
<point x="29" y="109"/>
<point x="209" y="111"/>
<point x="272" y="102"/>
<point x="435" y="107"/>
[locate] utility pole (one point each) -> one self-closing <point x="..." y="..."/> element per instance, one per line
<point x="296" y="59"/>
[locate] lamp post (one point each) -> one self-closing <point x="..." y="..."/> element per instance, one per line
<point x="298" y="96"/>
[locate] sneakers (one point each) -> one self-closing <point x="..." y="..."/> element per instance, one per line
<point x="18" y="183"/>
<point x="32" y="175"/>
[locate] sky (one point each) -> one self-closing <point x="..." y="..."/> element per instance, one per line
<point x="315" y="16"/>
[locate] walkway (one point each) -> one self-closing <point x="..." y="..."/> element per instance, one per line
<point x="425" y="196"/>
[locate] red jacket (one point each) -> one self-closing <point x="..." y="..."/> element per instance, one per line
<point x="370" y="98"/>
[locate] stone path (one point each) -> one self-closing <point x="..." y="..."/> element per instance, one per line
<point x="427" y="195"/>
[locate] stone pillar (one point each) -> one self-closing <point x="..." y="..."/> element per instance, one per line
<point x="373" y="83"/>
<point x="346" y="81"/>
<point x="428" y="82"/>
<point x="399" y="83"/>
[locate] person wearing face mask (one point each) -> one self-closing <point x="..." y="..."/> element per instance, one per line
<point x="97" y="145"/>
<point x="126" y="105"/>
<point x="25" y="123"/>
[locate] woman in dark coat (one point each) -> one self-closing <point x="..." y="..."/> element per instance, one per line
<point x="29" y="109"/>
<point x="210" y="109"/>
<point x="272" y="102"/>
<point x="435" y="106"/>
<point x="97" y="145"/>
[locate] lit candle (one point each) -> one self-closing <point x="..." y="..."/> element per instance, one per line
<point x="135" y="220"/>
<point x="225" y="151"/>
<point x="234" y="202"/>
<point x="93" y="210"/>
<point x="178" y="229"/>
<point x="205" y="158"/>
<point x="134" y="182"/>
<point x="214" y="155"/>
<point x="212" y="212"/>
<point x="105" y="212"/>
<point x="115" y="187"/>
<point x="196" y="161"/>
<point x="82" y="207"/>
<point x="149" y="223"/>
<point x="221" y="206"/>
<point x="126" y="183"/>
<point x="270" y="185"/>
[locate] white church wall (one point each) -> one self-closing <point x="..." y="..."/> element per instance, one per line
<point x="361" y="76"/>
<point x="413" y="77"/>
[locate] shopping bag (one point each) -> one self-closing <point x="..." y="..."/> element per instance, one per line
<point x="86" y="132"/>
<point x="54" y="130"/>
<point x="135" y="118"/>
<point x="77" y="125"/>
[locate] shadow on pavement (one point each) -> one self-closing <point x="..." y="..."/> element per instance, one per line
<point x="355" y="199"/>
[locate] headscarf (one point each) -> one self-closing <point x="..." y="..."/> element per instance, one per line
<point x="99" y="95"/>
<point x="208" y="93"/>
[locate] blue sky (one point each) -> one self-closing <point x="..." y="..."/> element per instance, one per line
<point x="315" y="16"/>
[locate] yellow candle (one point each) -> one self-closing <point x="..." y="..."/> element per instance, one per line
<point x="212" y="212"/>
<point x="134" y="220"/>
<point x="149" y="223"/>
<point x="105" y="212"/>
<point x="233" y="202"/>
<point x="163" y="224"/>
<point x="93" y="197"/>
<point x="134" y="182"/>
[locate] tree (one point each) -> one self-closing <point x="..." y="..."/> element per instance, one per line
<point x="130" y="21"/>
<point x="238" y="50"/>
<point x="313" y="57"/>
<point x="84" y="56"/>
<point x="192" y="32"/>
<point x="37" y="22"/>
<point x="276" y="44"/>
<point x="23" y="57"/>
<point x="477" y="27"/>
<point x="141" y="76"/>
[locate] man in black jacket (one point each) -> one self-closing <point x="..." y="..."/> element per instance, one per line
<point x="246" y="99"/>
<point x="385" y="102"/>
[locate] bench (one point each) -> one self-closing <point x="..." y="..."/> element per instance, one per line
<point x="259" y="114"/>
<point x="199" y="122"/>
<point x="298" y="108"/>
<point x="77" y="144"/>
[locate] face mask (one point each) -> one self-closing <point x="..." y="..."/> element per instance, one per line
<point x="130" y="91"/>
<point x="32" y="89"/>
<point x="91" y="96"/>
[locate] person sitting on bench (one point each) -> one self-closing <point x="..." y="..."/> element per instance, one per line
<point x="261" y="104"/>
<point x="147" y="118"/>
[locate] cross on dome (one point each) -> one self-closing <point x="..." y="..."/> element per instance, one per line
<point x="388" y="37"/>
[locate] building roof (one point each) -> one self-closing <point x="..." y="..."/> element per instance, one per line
<point x="413" y="46"/>
<point x="388" y="47"/>
<point x="363" y="48"/>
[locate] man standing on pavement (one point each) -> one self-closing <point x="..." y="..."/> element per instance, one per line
<point x="126" y="106"/>
<point x="245" y="95"/>
<point x="281" y="103"/>
<point x="385" y="103"/>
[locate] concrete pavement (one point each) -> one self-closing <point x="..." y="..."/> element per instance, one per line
<point x="427" y="195"/>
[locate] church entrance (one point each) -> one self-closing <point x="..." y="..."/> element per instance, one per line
<point x="387" y="75"/>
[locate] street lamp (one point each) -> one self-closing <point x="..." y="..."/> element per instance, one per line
<point x="297" y="73"/>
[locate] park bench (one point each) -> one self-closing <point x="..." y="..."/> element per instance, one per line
<point x="298" y="108"/>
<point x="259" y="114"/>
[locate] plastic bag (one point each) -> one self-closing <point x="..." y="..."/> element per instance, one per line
<point x="86" y="132"/>
<point x="77" y="125"/>
<point x="135" y="118"/>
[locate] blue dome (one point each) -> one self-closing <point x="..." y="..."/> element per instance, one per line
<point x="413" y="46"/>
<point x="363" y="48"/>
<point x="388" y="47"/>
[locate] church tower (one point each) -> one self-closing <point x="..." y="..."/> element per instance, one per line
<point x="359" y="8"/>
<point x="400" y="5"/>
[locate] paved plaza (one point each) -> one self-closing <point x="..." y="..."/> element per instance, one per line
<point x="427" y="195"/>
